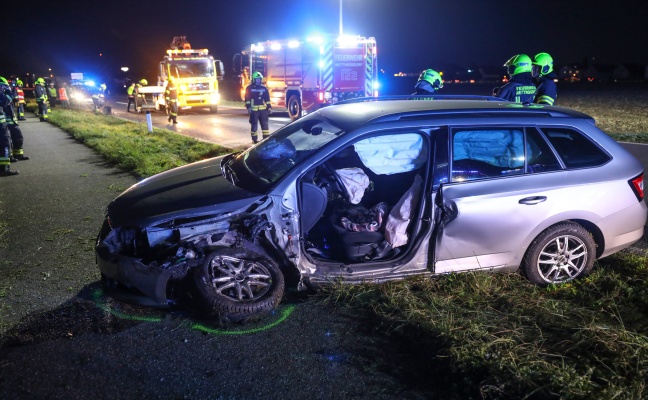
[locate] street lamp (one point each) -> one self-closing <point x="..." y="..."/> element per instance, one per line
<point x="124" y="69"/>
<point x="340" y="17"/>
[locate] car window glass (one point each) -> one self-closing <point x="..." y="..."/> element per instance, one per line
<point x="483" y="153"/>
<point x="575" y="150"/>
<point x="271" y="159"/>
<point x="540" y="157"/>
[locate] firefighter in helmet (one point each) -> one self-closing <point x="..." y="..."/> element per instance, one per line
<point x="19" y="100"/>
<point x="257" y="102"/>
<point x="11" y="119"/>
<point x="171" y="97"/>
<point x="5" y="139"/>
<point x="41" y="98"/>
<point x="139" y="97"/>
<point x="131" y="96"/>
<point x="52" y="94"/>
<point x="429" y="82"/>
<point x="542" y="71"/>
<point x="520" y="87"/>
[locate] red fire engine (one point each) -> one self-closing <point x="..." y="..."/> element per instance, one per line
<point x="303" y="76"/>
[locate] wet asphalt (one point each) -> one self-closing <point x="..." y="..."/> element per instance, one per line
<point x="62" y="338"/>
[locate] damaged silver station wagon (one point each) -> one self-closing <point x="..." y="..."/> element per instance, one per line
<point x="375" y="190"/>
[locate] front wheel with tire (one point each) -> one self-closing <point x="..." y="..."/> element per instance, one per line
<point x="294" y="107"/>
<point x="236" y="284"/>
<point x="561" y="253"/>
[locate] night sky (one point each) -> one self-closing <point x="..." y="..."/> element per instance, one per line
<point x="69" y="36"/>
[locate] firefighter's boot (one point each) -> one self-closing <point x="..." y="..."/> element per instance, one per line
<point x="5" y="170"/>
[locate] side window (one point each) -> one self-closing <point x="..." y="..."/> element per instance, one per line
<point x="540" y="157"/>
<point x="484" y="153"/>
<point x="575" y="150"/>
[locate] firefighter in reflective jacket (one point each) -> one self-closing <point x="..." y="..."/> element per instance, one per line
<point x="140" y="96"/>
<point x="41" y="98"/>
<point x="5" y="139"/>
<point x="15" y="133"/>
<point x="19" y="100"/>
<point x="544" y="78"/>
<point x="63" y="97"/>
<point x="257" y="102"/>
<point x="171" y="97"/>
<point x="131" y="97"/>
<point x="52" y="95"/>
<point x="520" y="88"/>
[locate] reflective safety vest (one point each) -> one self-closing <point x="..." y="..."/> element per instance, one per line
<point x="62" y="94"/>
<point x="20" y="95"/>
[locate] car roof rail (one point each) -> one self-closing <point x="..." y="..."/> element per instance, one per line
<point x="423" y="97"/>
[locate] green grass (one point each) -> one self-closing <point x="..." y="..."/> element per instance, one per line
<point x="622" y="114"/>
<point x="505" y="337"/>
<point x="130" y="146"/>
<point x="582" y="340"/>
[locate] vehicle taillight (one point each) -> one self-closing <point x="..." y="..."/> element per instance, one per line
<point x="320" y="96"/>
<point x="637" y="185"/>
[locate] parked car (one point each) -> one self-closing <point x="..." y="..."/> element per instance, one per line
<point x="375" y="190"/>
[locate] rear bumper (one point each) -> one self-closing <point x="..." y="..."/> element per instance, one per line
<point x="624" y="228"/>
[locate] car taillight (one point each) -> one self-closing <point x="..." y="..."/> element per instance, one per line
<point x="637" y="185"/>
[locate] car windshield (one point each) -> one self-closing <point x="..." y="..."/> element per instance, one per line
<point x="259" y="167"/>
<point x="192" y="68"/>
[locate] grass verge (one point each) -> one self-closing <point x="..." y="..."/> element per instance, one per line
<point x="581" y="340"/>
<point x="130" y="146"/>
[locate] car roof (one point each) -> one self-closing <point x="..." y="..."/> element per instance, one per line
<point x="357" y="112"/>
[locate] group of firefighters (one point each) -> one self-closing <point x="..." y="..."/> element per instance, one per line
<point x="12" y="110"/>
<point x="530" y="81"/>
<point x="171" y="93"/>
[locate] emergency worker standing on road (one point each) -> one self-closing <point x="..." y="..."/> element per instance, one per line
<point x="15" y="133"/>
<point x="257" y="102"/>
<point x="131" y="97"/>
<point x="171" y="97"/>
<point x="139" y="96"/>
<point x="5" y="139"/>
<point x="428" y="82"/>
<point x="546" y="92"/>
<point x="41" y="98"/>
<point x="19" y="100"/>
<point x="520" y="87"/>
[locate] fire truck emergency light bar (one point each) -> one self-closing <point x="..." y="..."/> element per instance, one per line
<point x="202" y="52"/>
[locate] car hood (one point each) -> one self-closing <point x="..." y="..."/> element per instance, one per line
<point x="191" y="190"/>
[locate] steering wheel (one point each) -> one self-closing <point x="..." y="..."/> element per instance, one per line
<point x="336" y="180"/>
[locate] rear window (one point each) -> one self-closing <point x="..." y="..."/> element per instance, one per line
<point x="575" y="150"/>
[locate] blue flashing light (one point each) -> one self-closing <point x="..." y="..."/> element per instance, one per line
<point x="293" y="44"/>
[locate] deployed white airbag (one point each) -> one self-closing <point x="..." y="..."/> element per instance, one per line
<point x="400" y="216"/>
<point x="392" y="154"/>
<point x="355" y="182"/>
<point x="503" y="148"/>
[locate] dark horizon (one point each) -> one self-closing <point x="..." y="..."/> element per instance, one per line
<point x="77" y="36"/>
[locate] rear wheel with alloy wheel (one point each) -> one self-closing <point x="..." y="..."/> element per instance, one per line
<point x="561" y="253"/>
